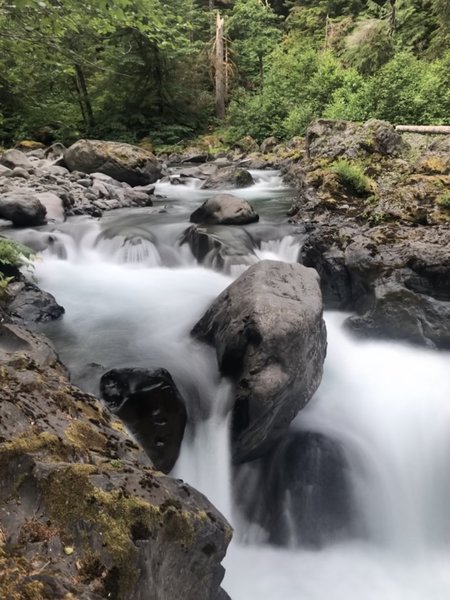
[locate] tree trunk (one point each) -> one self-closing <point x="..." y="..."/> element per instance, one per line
<point x="261" y="70"/>
<point x="82" y="87"/>
<point x="442" y="129"/>
<point x="393" y="17"/>
<point x="220" y="68"/>
<point x="80" y="101"/>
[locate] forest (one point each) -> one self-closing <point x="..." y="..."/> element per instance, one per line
<point x="147" y="70"/>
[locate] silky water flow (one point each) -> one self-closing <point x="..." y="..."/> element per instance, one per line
<point x="132" y="294"/>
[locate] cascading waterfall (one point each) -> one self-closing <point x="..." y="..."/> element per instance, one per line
<point x="389" y="407"/>
<point x="132" y="294"/>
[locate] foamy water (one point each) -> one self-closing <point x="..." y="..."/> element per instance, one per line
<point x="132" y="295"/>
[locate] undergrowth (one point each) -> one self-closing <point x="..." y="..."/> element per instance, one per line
<point x="352" y="176"/>
<point x="12" y="256"/>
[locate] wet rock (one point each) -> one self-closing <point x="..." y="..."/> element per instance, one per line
<point x="122" y="162"/>
<point x="396" y="278"/>
<point x="15" y="158"/>
<point x="29" y="304"/>
<point x="270" y="338"/>
<point x="216" y="245"/>
<point x="398" y="312"/>
<point x="200" y="242"/>
<point x="299" y="493"/>
<point x="150" y="405"/>
<point x="229" y="177"/>
<point x="82" y="511"/>
<point x="194" y="156"/>
<point x="22" y="208"/>
<point x="224" y="209"/>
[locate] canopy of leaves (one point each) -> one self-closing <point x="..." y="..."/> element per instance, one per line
<point x="132" y="69"/>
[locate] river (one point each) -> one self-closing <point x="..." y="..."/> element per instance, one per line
<point x="132" y="295"/>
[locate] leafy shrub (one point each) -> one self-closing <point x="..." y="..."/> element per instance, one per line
<point x="443" y="200"/>
<point x="352" y="176"/>
<point x="12" y="256"/>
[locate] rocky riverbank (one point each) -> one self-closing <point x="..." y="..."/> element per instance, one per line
<point x="83" y="512"/>
<point x="382" y="250"/>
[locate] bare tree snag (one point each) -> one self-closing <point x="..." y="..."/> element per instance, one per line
<point x="220" y="68"/>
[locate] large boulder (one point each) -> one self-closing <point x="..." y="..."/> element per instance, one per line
<point x="15" y="158"/>
<point x="229" y="177"/>
<point x="22" y="208"/>
<point x="150" y="405"/>
<point x="270" y="338"/>
<point x="224" y="209"/>
<point x="29" y="304"/>
<point x="300" y="492"/>
<point x="82" y="512"/>
<point x="331" y="139"/>
<point x="398" y="312"/>
<point x="218" y="245"/>
<point x="122" y="162"/>
<point x="397" y="278"/>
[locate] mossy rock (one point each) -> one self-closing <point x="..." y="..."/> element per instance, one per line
<point x="82" y="508"/>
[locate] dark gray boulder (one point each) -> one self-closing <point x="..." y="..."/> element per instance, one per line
<point x="149" y="403"/>
<point x="225" y="209"/>
<point x="123" y="162"/>
<point x="229" y="177"/>
<point x="300" y="492"/>
<point x="22" y="208"/>
<point x="401" y="313"/>
<point x="270" y="338"/>
<point x="29" y="304"/>
<point x="84" y="513"/>
<point x="215" y="245"/>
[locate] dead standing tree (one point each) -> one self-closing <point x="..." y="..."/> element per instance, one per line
<point x="220" y="68"/>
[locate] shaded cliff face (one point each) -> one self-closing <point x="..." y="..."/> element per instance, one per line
<point x="82" y="511"/>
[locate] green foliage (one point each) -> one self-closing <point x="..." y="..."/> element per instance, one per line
<point x="132" y="69"/>
<point x="352" y="176"/>
<point x="12" y="256"/>
<point x="443" y="200"/>
<point x="369" y="46"/>
<point x="252" y="26"/>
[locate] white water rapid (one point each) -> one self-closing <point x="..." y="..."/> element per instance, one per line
<point x="132" y="294"/>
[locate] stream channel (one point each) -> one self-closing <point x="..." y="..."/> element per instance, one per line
<point x="379" y="423"/>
